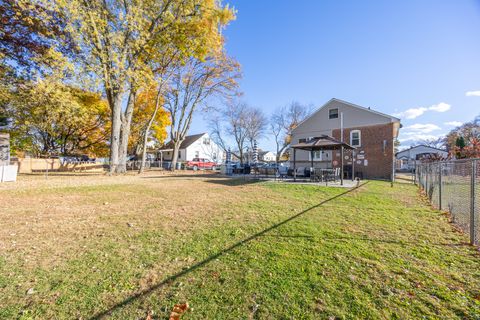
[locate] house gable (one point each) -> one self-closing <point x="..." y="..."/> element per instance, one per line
<point x="322" y="122"/>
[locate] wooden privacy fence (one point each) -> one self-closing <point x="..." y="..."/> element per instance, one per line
<point x="33" y="165"/>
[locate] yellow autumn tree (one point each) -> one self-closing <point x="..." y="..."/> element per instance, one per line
<point x="154" y="132"/>
<point x="117" y="40"/>
<point x="49" y="118"/>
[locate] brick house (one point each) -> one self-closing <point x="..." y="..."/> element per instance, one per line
<point x="372" y="133"/>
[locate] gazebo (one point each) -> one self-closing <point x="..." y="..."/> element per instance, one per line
<point x="322" y="143"/>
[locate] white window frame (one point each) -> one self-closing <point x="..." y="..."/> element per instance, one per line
<point x="359" y="138"/>
<point x="330" y="114"/>
<point x="315" y="153"/>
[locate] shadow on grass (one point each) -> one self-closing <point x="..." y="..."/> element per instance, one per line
<point x="232" y="182"/>
<point x="217" y="255"/>
<point x="209" y="178"/>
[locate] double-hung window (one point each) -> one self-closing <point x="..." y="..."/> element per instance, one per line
<point x="355" y="138"/>
<point x="317" y="155"/>
<point x="333" y="113"/>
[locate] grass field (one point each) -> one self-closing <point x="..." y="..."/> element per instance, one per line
<point x="123" y="247"/>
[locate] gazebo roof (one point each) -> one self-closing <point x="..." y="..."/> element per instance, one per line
<point x="323" y="142"/>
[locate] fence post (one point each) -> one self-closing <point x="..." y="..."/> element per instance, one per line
<point x="440" y="186"/>
<point x="472" y="202"/>
<point x="426" y="179"/>
<point x="414" y="174"/>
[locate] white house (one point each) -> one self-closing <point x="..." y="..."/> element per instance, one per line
<point x="194" y="146"/>
<point x="407" y="158"/>
<point x="266" y="156"/>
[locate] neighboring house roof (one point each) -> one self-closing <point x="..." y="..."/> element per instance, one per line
<point x="262" y="153"/>
<point x="392" y="118"/>
<point x="189" y="140"/>
<point x="421" y="145"/>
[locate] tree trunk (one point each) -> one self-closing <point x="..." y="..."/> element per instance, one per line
<point x="125" y="134"/>
<point x="176" y="147"/>
<point x="240" y="153"/>
<point x="147" y="130"/>
<point x="115" y="133"/>
<point x="144" y="150"/>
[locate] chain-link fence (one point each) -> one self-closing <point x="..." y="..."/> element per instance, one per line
<point x="454" y="186"/>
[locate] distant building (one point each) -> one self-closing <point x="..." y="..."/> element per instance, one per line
<point x="266" y="156"/>
<point x="372" y="133"/>
<point x="194" y="146"/>
<point x="408" y="158"/>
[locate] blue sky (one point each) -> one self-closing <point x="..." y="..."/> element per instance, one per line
<point x="417" y="59"/>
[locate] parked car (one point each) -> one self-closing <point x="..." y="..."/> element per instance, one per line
<point x="201" y="163"/>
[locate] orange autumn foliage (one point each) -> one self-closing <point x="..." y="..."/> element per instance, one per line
<point x="144" y="109"/>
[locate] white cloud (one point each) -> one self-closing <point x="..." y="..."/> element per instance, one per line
<point x="454" y="123"/>
<point x="473" y="93"/>
<point x="421" y="128"/>
<point x="441" y="107"/>
<point x="419" y="132"/>
<point x="413" y="113"/>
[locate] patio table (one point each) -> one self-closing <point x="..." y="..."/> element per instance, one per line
<point x="320" y="174"/>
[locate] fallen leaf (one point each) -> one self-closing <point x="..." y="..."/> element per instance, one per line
<point x="149" y="316"/>
<point x="178" y="310"/>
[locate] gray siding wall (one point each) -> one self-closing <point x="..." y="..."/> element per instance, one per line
<point x="319" y="123"/>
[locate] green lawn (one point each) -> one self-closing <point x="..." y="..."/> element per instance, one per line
<point x="232" y="251"/>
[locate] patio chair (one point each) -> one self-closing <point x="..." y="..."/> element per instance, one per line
<point x="300" y="171"/>
<point x="282" y="172"/>
<point x="336" y="174"/>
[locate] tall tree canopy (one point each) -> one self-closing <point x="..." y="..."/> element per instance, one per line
<point x="117" y="39"/>
<point x="31" y="36"/>
<point x="50" y="118"/>
<point x="463" y="135"/>
<point x="145" y="106"/>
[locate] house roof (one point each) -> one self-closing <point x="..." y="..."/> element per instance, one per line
<point x="262" y="153"/>
<point x="189" y="140"/>
<point x="393" y="119"/>
<point x="421" y="145"/>
<point x="323" y="142"/>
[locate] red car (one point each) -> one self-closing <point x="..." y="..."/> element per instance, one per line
<point x="201" y="163"/>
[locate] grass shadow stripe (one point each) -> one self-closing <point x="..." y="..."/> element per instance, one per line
<point x="217" y="255"/>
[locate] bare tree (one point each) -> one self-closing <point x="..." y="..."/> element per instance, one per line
<point x="163" y="68"/>
<point x="283" y="121"/>
<point x="216" y="125"/>
<point x="438" y="143"/>
<point x="256" y="125"/>
<point x="242" y="123"/>
<point x="189" y="88"/>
